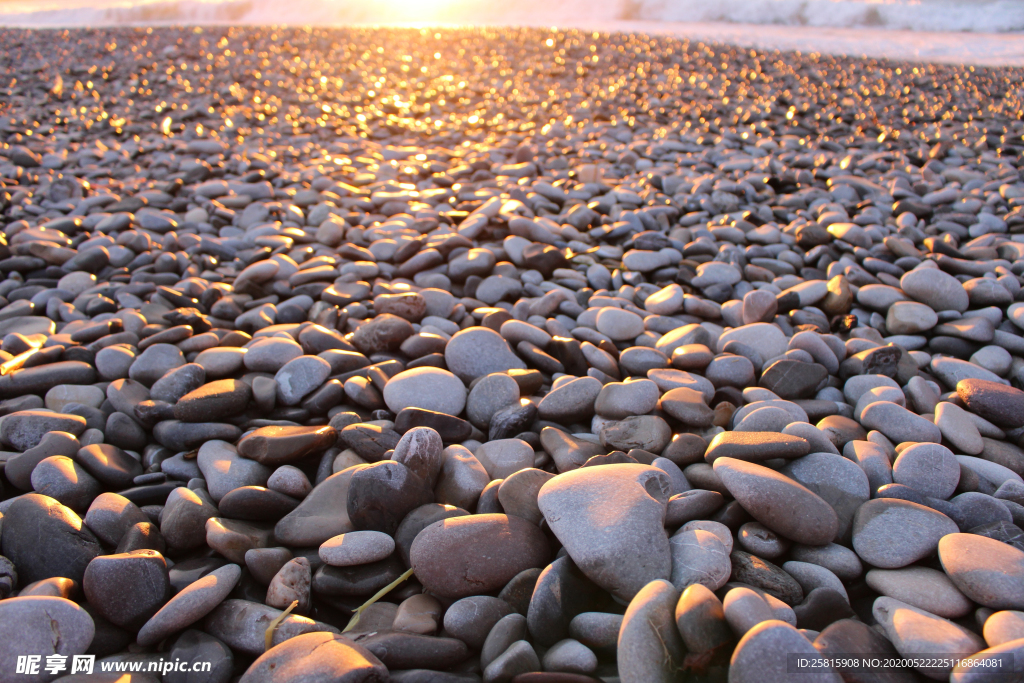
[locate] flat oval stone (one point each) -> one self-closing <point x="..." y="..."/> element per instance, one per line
<point x="688" y="407"/>
<point x="472" y="618"/>
<point x="928" y="468"/>
<point x="420" y="449"/>
<point x="838" y="481"/>
<point x="764" y="653"/>
<point x="755" y="446"/>
<point x="111" y="515"/>
<point x="411" y="651"/>
<point x="649" y="645"/>
<point x="418" y="520"/>
<point x="476" y="554"/>
<point x="899" y="424"/>
<point x="765" y="576"/>
<point x="25" y="428"/>
<point x="478" y="351"/>
<point x="156" y="361"/>
<point x="270" y="354"/>
<point x="987" y="571"/>
<point x="915" y="632"/>
<point x="44" y="539"/>
<point x="319" y="656"/>
<point x="647" y="432"/>
<point x="938" y="290"/>
<point x="428" y="388"/>
<point x="185" y="436"/>
<point x="700" y="619"/>
<point x="891" y="533"/>
<point x="225" y="470"/>
<point x="191" y="604"/>
<point x="385" y="332"/>
<point x="356" y="547"/>
<point x="18" y="469"/>
<point x="791" y="379"/>
<point x="923" y="587"/>
<point x="279" y="445"/>
<point x="618" y="324"/>
<point x="781" y="504"/>
<point x="256" y="504"/>
<point x="699" y="557"/>
<point x="213" y="401"/>
<point x="323" y="514"/>
<point x="369" y="441"/>
<point x="43" y="626"/>
<point x="64" y="480"/>
<point x="242" y="625"/>
<point x="178" y="383"/>
<point x="357" y="581"/>
<point x="570" y="402"/>
<point x="993" y="401"/>
<point x="1003" y="627"/>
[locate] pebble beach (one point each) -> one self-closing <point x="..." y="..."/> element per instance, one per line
<point x="453" y="355"/>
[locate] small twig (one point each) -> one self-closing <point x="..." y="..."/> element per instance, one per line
<point x="269" y="637"/>
<point x="377" y="596"/>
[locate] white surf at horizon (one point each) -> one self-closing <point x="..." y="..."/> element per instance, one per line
<point x="981" y="32"/>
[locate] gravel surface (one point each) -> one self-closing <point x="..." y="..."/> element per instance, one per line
<point x="505" y="355"/>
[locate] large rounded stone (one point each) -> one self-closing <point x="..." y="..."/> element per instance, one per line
<point x="318" y="657"/>
<point x="778" y="502"/>
<point x="650" y="649"/>
<point x="987" y="571"/>
<point x="478" y="351"/>
<point x="127" y="589"/>
<point x="44" y="539"/>
<point x="891" y="533"/>
<point x="938" y="290"/>
<point x="765" y="652"/>
<point x="476" y="554"/>
<point x="428" y="388"/>
<point x="610" y="519"/>
<point x="44" y="626"/>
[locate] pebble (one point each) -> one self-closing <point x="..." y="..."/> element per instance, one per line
<point x="699" y="557"/>
<point x="225" y="470"/>
<point x="918" y="530"/>
<point x="802" y="517"/>
<point x="127" y="589"/>
<point x="428" y="388"/>
<point x="930" y="469"/>
<point x="468" y="555"/>
<point x="316" y="656"/>
<point x="478" y="351"/>
<point x="914" y="632"/>
<point x="357" y="547"/>
<point x="764" y="652"/>
<point x="985" y="570"/>
<point x="69" y="546"/>
<point x="805" y="337"/>
<point x="921" y="587"/>
<point x="45" y="626"/>
<point x="190" y="604"/>
<point x="650" y="647"/>
<point x="610" y="521"/>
